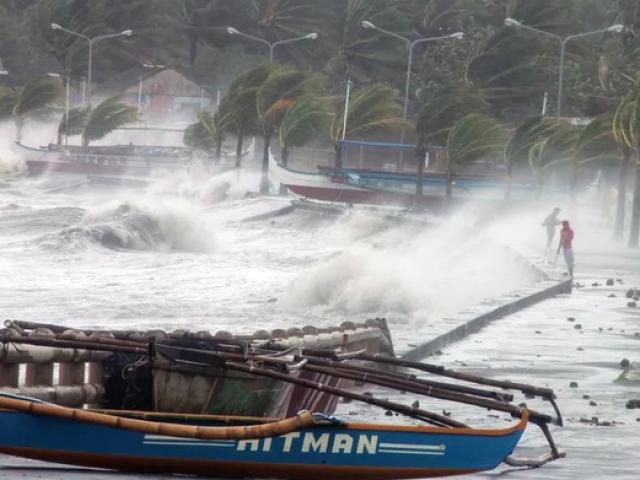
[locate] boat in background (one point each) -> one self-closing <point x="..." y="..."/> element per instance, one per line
<point x="118" y="160"/>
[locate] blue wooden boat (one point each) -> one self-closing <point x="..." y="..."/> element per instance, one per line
<point x="308" y="446"/>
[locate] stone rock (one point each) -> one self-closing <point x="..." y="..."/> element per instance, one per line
<point x="571" y="319"/>
<point x="586" y="397"/>
<point x="624" y="363"/>
<point x="446" y="413"/>
<point x="580" y="349"/>
<point x="593" y="404"/>
<point x="631" y="404"/>
<point x="610" y="282"/>
<point x="368" y="394"/>
<point x="632" y="304"/>
<point x="630" y="293"/>
<point x="415" y="404"/>
<point x="388" y="413"/>
<point x="612" y="295"/>
<point x="538" y="332"/>
<point x="573" y="385"/>
<point x="600" y="329"/>
<point x="577" y="326"/>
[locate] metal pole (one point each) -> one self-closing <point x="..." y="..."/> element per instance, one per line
<point x="66" y="113"/>
<point x="561" y="76"/>
<point x="89" y="72"/>
<point x="140" y="95"/>
<point x="84" y="92"/>
<point x="346" y="110"/>
<point x="405" y="110"/>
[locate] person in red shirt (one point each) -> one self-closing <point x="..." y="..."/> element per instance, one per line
<point x="566" y="243"/>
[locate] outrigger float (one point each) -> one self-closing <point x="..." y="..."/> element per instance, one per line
<point x="305" y="445"/>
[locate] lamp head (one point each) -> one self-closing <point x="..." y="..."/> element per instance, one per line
<point x="4" y="72"/>
<point x="232" y="31"/>
<point x="53" y="74"/>
<point x="617" y="28"/>
<point x="367" y="24"/>
<point x="55" y="26"/>
<point x="126" y="33"/>
<point x="312" y="36"/>
<point x="512" y="22"/>
<point x="458" y="35"/>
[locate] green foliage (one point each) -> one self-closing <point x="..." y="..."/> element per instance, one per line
<point x="38" y="93"/>
<point x="372" y="110"/>
<point x="446" y="107"/>
<point x="596" y="142"/>
<point x="107" y="116"/>
<point x="74" y="125"/>
<point x="626" y="122"/>
<point x="473" y="137"/>
<point x="307" y="118"/>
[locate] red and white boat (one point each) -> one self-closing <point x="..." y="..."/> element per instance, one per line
<point x="329" y="187"/>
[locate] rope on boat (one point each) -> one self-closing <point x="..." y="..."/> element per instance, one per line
<point x="271" y="429"/>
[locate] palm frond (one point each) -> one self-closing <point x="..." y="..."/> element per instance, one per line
<point x="107" y="116"/>
<point x="472" y="137"/>
<point x="37" y="94"/>
<point x="307" y="117"/>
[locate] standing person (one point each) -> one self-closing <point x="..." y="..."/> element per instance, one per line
<point x="551" y="222"/>
<point x="566" y="243"/>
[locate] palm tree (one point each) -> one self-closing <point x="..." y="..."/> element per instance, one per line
<point x="542" y="142"/>
<point x="240" y="104"/>
<point x="273" y="99"/>
<point x="107" y="116"/>
<point x="473" y="137"/>
<point x="372" y="110"/>
<point x="77" y="119"/>
<point x="37" y="94"/>
<point x="439" y="114"/>
<point x="307" y="118"/>
<point x="207" y="133"/>
<point x="626" y="131"/>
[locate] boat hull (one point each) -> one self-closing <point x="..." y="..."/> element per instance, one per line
<point x="344" y="451"/>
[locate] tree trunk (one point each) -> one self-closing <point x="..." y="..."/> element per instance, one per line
<point x="338" y="156"/>
<point x="19" y="126"/>
<point x="285" y="156"/>
<point x="218" y="148"/>
<point x="239" y="148"/>
<point x="622" y="196"/>
<point x="635" y="212"/>
<point x="449" y="190"/>
<point x="420" y="155"/>
<point x="508" y="178"/>
<point x="264" y="181"/>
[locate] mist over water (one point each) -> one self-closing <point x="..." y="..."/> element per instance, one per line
<point x="178" y="254"/>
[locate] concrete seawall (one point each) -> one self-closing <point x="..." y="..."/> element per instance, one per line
<point x="469" y="323"/>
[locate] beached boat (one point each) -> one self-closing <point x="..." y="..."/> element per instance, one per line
<point x="155" y="370"/>
<point x="305" y="447"/>
<point x="115" y="160"/>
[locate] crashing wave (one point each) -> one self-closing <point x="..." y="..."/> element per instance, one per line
<point x="130" y="227"/>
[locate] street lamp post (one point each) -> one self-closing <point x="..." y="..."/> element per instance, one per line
<point x="511" y="22"/>
<point x="91" y="40"/>
<point x="410" y="46"/>
<point x="271" y="45"/>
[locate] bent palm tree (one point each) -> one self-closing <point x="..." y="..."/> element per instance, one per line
<point x="473" y="137"/>
<point x="73" y="123"/>
<point x="107" y="116"/>
<point x="273" y="99"/>
<point x="438" y="115"/>
<point x="240" y="104"/>
<point x="626" y="131"/>
<point x="37" y="94"/>
<point x="372" y="110"/>
<point x="306" y="119"/>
